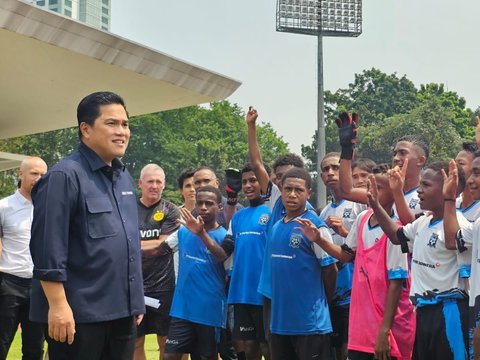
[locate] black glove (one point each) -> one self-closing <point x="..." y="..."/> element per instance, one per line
<point x="347" y="133"/>
<point x="234" y="185"/>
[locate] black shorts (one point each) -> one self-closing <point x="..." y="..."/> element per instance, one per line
<point x="157" y="321"/>
<point x="248" y="323"/>
<point x="302" y="347"/>
<point x="339" y="317"/>
<point x="186" y="337"/>
<point x="441" y="328"/>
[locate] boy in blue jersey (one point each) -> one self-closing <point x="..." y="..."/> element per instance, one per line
<point x="246" y="239"/>
<point x="199" y="302"/>
<point x="303" y="279"/>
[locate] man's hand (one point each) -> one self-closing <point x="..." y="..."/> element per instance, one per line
<point x="139" y="319"/>
<point x="372" y="192"/>
<point x="382" y="346"/>
<point x="336" y="223"/>
<point x="308" y="229"/>
<point x="234" y="185"/>
<point x="195" y="225"/>
<point x="396" y="177"/>
<point x="450" y="182"/>
<point x="252" y="115"/>
<point x="61" y="324"/>
<point x="347" y="133"/>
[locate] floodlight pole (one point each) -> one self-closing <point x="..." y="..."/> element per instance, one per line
<point x="321" y="190"/>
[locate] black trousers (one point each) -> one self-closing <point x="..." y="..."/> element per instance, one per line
<point x="109" y="340"/>
<point x="14" y="309"/>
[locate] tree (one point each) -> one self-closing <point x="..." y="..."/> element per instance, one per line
<point x="175" y="139"/>
<point x="430" y="119"/>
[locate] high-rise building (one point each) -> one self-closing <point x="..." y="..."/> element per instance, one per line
<point x="92" y="12"/>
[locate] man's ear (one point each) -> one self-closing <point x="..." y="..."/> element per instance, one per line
<point x="220" y="206"/>
<point x="309" y="193"/>
<point x="85" y="130"/>
<point x="421" y="161"/>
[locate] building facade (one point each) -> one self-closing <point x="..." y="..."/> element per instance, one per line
<point x="93" y="12"/>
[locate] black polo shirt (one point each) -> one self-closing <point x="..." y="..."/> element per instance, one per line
<point x="85" y="234"/>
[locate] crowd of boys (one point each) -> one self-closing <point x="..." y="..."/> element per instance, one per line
<point x="388" y="269"/>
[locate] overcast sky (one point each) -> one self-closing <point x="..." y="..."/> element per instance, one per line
<point x="426" y="40"/>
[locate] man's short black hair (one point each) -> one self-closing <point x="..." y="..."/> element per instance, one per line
<point x="246" y="168"/>
<point x="418" y="141"/>
<point x="211" y="189"/>
<point x="289" y="159"/>
<point x="205" y="168"/>
<point x="438" y="166"/>
<point x="88" y="109"/>
<point x="298" y="173"/>
<point x="186" y="174"/>
<point x="381" y="168"/>
<point x="364" y="164"/>
<point x="470" y="147"/>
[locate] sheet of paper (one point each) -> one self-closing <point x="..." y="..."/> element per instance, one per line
<point x="149" y="301"/>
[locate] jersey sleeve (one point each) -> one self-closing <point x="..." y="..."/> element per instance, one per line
<point x="352" y="238"/>
<point x="397" y="262"/>
<point x="323" y="258"/>
<point x="172" y="241"/>
<point x="172" y="214"/>
<point x="464" y="258"/>
<point x="410" y="230"/>
<point x="272" y="195"/>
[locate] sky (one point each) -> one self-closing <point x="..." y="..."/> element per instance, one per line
<point x="427" y="40"/>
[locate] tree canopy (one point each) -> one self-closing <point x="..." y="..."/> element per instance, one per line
<point x="175" y="139"/>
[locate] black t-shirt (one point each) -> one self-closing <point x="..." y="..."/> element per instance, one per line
<point x="158" y="219"/>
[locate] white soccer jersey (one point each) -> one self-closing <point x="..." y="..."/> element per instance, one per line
<point x="472" y="212"/>
<point x="397" y="263"/>
<point x="471" y="236"/>
<point x="413" y="202"/>
<point x="435" y="269"/>
<point x="347" y="210"/>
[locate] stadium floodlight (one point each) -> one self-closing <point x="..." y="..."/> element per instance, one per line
<point x="325" y="17"/>
<point x="320" y="18"/>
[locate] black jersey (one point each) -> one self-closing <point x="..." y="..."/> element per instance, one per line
<point x="158" y="219"/>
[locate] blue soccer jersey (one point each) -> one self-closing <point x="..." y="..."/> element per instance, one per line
<point x="200" y="295"/>
<point x="248" y="228"/>
<point x="299" y="303"/>
<point x="264" y="285"/>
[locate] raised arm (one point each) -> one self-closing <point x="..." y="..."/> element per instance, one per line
<point x="450" y="222"/>
<point x="254" y="150"/>
<point x="396" y="179"/>
<point x="388" y="226"/>
<point x="347" y="134"/>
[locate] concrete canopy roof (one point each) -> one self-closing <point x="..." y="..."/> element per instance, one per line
<point x="48" y="63"/>
<point x="10" y="161"/>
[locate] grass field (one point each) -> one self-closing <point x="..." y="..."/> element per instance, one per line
<point x="151" y="348"/>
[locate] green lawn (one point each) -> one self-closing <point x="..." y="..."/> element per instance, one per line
<point x="151" y="348"/>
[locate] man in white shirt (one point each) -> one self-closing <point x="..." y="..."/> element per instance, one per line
<point x="16" y="212"/>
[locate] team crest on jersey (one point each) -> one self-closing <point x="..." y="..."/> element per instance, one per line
<point x="158" y="216"/>
<point x="413" y="203"/>
<point x="263" y="219"/>
<point x="295" y="241"/>
<point x="347" y="212"/>
<point x="432" y="242"/>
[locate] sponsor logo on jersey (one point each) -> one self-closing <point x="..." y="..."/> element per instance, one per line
<point x="432" y="242"/>
<point x="172" y="341"/>
<point x="347" y="212"/>
<point x="158" y="216"/>
<point x="149" y="234"/>
<point x="246" y="328"/>
<point x="413" y="203"/>
<point x="264" y="219"/>
<point x="295" y="240"/>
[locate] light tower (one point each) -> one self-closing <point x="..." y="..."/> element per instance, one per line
<point x="320" y="18"/>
